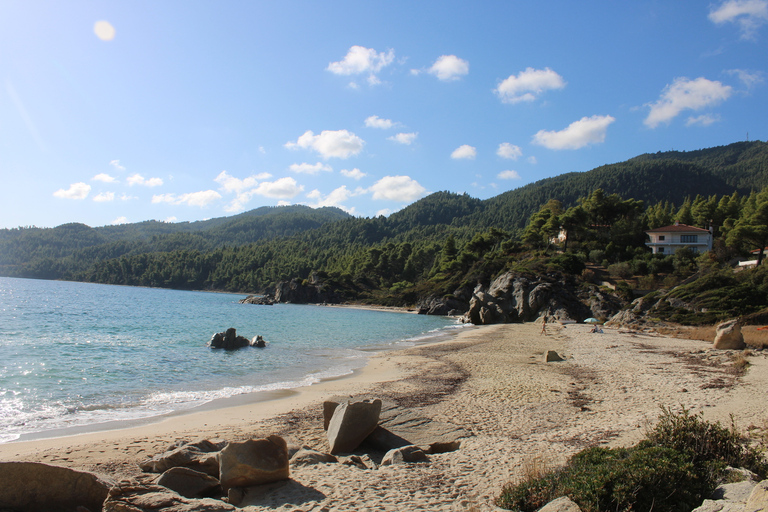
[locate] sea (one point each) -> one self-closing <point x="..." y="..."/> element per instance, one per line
<point x="82" y="356"/>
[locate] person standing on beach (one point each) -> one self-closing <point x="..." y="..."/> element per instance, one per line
<point x="544" y="324"/>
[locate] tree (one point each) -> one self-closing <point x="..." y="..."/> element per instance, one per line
<point x="751" y="229"/>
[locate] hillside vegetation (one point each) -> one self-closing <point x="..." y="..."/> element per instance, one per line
<point x="439" y="246"/>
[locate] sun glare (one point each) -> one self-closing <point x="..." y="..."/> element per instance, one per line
<point x="104" y="30"/>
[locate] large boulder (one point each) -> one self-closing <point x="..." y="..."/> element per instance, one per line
<point x="400" y="427"/>
<point x="562" y="504"/>
<point x="37" y="487"/>
<point x="758" y="499"/>
<point x="351" y="423"/>
<point x="201" y="456"/>
<point x="253" y="462"/>
<point x="729" y="337"/>
<point x="132" y="496"/>
<point x="228" y="340"/>
<point x="310" y="291"/>
<point x="189" y="483"/>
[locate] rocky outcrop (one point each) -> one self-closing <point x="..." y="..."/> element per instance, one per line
<point x="562" y="504"/>
<point x="514" y="297"/>
<point x="189" y="483"/>
<point x="133" y="496"/>
<point x="447" y="305"/>
<point x="262" y="300"/>
<point x="253" y="462"/>
<point x="201" y="456"/>
<point x="230" y="340"/>
<point x="37" y="487"/>
<point x="310" y="457"/>
<point x="351" y="423"/>
<point x="729" y="337"/>
<point x="309" y="291"/>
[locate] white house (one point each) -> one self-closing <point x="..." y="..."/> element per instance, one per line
<point x="669" y="239"/>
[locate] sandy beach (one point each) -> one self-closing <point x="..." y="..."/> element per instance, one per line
<point x="492" y="381"/>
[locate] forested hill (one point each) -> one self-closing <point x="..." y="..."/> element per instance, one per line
<point x="39" y="252"/>
<point x="253" y="250"/>
<point x="666" y="176"/>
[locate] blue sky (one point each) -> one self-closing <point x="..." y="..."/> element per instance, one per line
<point x="119" y="111"/>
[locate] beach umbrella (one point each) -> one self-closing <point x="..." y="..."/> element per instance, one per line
<point x="591" y="321"/>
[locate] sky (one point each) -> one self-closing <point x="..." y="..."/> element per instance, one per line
<point x="124" y="111"/>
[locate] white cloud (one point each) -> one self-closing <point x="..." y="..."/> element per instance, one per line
<point x="170" y="219"/>
<point x="383" y="212"/>
<point x="585" y="131"/>
<point x="120" y="220"/>
<point x="397" y="188"/>
<point x="748" y="14"/>
<point x="116" y="165"/>
<point x="355" y="174"/>
<point x="377" y="122"/>
<point x="305" y="168"/>
<point x="528" y="84"/>
<point x="404" y="138"/>
<point x="283" y="188"/>
<point x="361" y="60"/>
<point x="702" y="120"/>
<point x="201" y="199"/>
<point x="508" y="175"/>
<point x="449" y="67"/>
<point x="335" y="198"/>
<point x="106" y="178"/>
<point x="464" y="152"/>
<point x="330" y="144"/>
<point x="231" y="184"/>
<point x="105" y="197"/>
<point x="509" y="151"/>
<point x="75" y="191"/>
<point x="749" y="79"/>
<point x="685" y="94"/>
<point x="126" y="197"/>
<point x="532" y="160"/>
<point x="138" y="179"/>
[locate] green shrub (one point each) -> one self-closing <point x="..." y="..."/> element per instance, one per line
<point x="637" y="478"/>
<point x="704" y="442"/>
<point x="680" y="463"/>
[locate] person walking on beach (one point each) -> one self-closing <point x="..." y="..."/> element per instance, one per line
<point x="544" y="324"/>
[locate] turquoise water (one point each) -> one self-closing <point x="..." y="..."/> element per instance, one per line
<point x="74" y="354"/>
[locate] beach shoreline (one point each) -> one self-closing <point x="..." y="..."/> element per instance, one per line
<point x="491" y="381"/>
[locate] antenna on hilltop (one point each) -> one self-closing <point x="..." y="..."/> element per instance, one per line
<point x="747" y="136"/>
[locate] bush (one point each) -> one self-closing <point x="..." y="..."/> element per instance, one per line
<point x="680" y="463"/>
<point x="622" y="270"/>
<point x="638" y="478"/>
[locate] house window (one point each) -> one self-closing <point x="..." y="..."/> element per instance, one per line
<point x="661" y="249"/>
<point x="661" y="238"/>
<point x="689" y="239"/>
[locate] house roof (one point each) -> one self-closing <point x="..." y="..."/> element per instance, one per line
<point x="678" y="228"/>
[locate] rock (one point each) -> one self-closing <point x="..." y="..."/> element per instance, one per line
<point x="228" y="340"/>
<point x="562" y="504"/>
<point x="258" y="342"/>
<point x="552" y="356"/>
<point x="758" y="500"/>
<point x="311" y="291"/>
<point x="454" y="304"/>
<point x="738" y="491"/>
<point x="254" y="462"/>
<point x="360" y="461"/>
<point x="189" y="483"/>
<point x="351" y="423"/>
<point x="38" y="487"/>
<point x="404" y="454"/>
<point x="401" y="427"/>
<point x="720" y="506"/>
<point x="309" y="457"/>
<point x="729" y="337"/>
<point x="132" y="496"/>
<point x="263" y="300"/>
<point x="514" y="297"/>
<point x="200" y="456"/>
